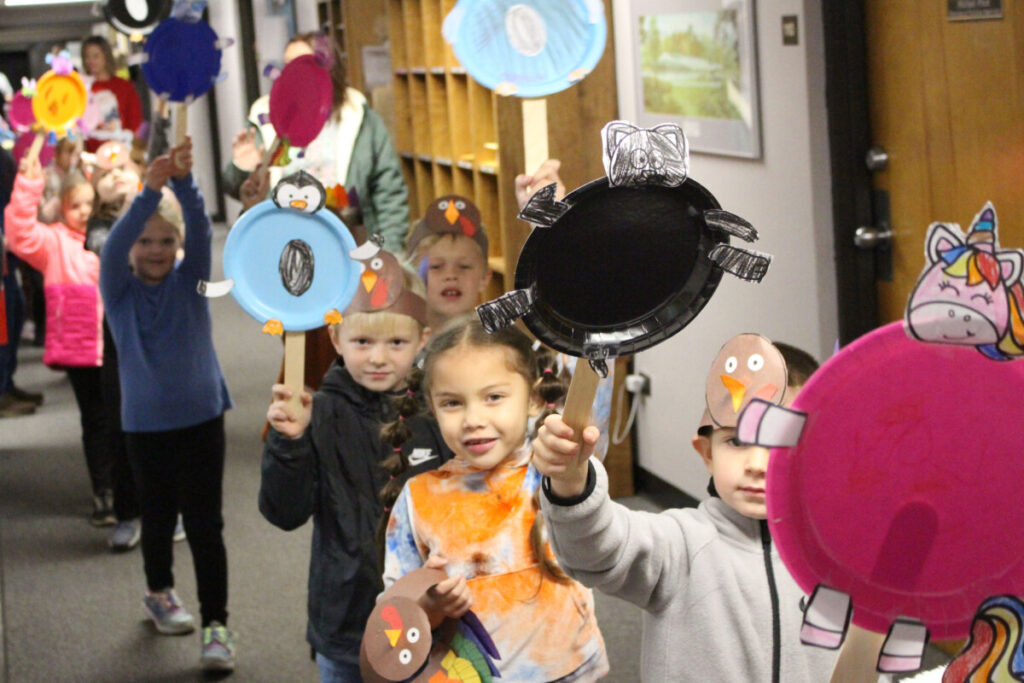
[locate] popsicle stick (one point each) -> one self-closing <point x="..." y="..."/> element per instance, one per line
<point x="580" y="399"/>
<point x="180" y="124"/>
<point x="295" y="365"/>
<point x="535" y="133"/>
<point x="268" y="155"/>
<point x="858" y="658"/>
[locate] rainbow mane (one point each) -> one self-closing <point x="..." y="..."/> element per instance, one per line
<point x="995" y="651"/>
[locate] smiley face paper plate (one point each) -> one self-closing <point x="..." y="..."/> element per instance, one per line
<point x="60" y="100"/>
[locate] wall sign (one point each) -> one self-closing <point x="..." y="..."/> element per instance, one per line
<point x="968" y="10"/>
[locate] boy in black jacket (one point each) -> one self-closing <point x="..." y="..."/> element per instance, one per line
<point x="325" y="459"/>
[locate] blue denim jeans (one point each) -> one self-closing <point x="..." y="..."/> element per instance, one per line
<point x="333" y="671"/>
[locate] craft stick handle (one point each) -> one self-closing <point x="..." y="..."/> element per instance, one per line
<point x="37" y="145"/>
<point x="580" y="399"/>
<point x="268" y="155"/>
<point x="858" y="658"/>
<point x="535" y="133"/>
<point x="294" y="366"/>
<point x="181" y="124"/>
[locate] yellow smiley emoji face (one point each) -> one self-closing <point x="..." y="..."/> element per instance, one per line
<point x="59" y="100"/>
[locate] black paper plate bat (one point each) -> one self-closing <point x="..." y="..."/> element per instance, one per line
<point x="628" y="260"/>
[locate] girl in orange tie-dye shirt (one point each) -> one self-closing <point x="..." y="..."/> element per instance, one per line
<point x="479" y="511"/>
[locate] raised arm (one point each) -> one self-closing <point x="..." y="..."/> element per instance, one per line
<point x="27" y="238"/>
<point x="198" y="231"/>
<point x="115" y="272"/>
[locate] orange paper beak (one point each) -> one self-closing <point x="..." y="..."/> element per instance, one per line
<point x="737" y="390"/>
<point x="369" y="280"/>
<point x="451" y="213"/>
<point x="298" y="204"/>
<point x="393" y="634"/>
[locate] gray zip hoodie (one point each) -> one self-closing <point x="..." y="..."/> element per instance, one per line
<point x="714" y="609"/>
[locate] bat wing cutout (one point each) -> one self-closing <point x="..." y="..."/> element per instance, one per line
<point x="730" y="223"/>
<point x="746" y="265"/>
<point x="502" y="312"/>
<point x="543" y="209"/>
<point x="212" y="290"/>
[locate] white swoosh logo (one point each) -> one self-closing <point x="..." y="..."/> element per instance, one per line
<point x="420" y="455"/>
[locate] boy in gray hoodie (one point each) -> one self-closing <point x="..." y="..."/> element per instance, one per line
<point x="718" y="603"/>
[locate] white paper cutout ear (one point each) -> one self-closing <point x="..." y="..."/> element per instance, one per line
<point x="1011" y="264"/>
<point x="212" y="290"/>
<point x="769" y="425"/>
<point x="942" y="237"/>
<point x="826" y="618"/>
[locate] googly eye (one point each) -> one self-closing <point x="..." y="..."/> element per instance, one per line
<point x="460" y="205"/>
<point x="377" y="263"/>
<point x="405" y="656"/>
<point x="755" y="362"/>
<point x="731" y="364"/>
<point x="443" y="204"/>
<point x="412" y="635"/>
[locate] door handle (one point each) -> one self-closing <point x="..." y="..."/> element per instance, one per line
<point x="868" y="237"/>
<point x="876" y="158"/>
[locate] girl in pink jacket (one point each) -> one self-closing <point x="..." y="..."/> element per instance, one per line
<point x="74" y="311"/>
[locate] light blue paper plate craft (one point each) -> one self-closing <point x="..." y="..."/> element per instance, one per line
<point x="527" y="48"/>
<point x="287" y="260"/>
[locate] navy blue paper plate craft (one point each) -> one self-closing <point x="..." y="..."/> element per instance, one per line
<point x="527" y="48"/>
<point x="628" y="260"/>
<point x="136" y="16"/>
<point x="182" y="59"/>
<point x="287" y="260"/>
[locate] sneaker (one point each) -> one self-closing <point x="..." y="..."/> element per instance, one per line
<point x="218" y="648"/>
<point x="33" y="397"/>
<point x="103" y="509"/>
<point x="179" y="531"/>
<point x="165" y="609"/>
<point x="11" y="406"/>
<point x="125" y="535"/>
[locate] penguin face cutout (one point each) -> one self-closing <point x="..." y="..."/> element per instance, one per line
<point x="748" y="366"/>
<point x="301" y="192"/>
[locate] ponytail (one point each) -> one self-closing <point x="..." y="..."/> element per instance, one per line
<point x="396" y="434"/>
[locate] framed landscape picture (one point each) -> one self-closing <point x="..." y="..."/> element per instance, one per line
<point x="695" y="64"/>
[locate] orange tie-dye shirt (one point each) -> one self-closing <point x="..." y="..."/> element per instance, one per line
<point x="481" y="521"/>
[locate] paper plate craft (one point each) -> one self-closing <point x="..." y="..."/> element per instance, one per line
<point x="995" y="650"/>
<point x="893" y="490"/>
<point x="748" y="366"/>
<point x="287" y="260"/>
<point x="19" y="109"/>
<point x="133" y="17"/>
<point x="527" y="48"/>
<point x="628" y="260"/>
<point x="182" y="59"/>
<point x="301" y="99"/>
<point x="60" y="96"/>
<point x="451" y="214"/>
<point x="399" y="645"/>
<point x="970" y="292"/>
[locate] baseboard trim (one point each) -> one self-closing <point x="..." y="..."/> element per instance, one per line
<point x="660" y="491"/>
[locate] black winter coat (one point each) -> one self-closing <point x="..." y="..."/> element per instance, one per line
<point x="333" y="473"/>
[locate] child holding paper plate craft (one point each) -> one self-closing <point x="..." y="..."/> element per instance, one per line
<point x="74" y="338"/>
<point x="174" y="394"/>
<point x="480" y="513"/>
<point x="98" y="62"/>
<point x="719" y="604"/>
<point x="324" y="460"/>
<point x="353" y="150"/>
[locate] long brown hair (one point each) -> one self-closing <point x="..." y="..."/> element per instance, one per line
<point x="339" y="76"/>
<point x="108" y="53"/>
<point x="538" y="366"/>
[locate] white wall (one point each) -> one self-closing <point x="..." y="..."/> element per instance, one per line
<point x="787" y="196"/>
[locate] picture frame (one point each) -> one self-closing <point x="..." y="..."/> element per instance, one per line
<point x="694" y="63"/>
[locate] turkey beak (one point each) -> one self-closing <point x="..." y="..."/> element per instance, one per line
<point x="369" y="279"/>
<point x="451" y="213"/>
<point x="298" y="204"/>
<point x="737" y="389"/>
<point x="393" y="635"/>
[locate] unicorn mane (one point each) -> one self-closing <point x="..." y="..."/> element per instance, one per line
<point x="995" y="651"/>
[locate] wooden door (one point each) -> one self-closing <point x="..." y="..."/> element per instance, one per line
<point x="946" y="102"/>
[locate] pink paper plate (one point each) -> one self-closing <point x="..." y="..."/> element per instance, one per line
<point x="905" y="490"/>
<point x="300" y="100"/>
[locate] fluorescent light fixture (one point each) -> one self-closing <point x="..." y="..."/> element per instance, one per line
<point x="37" y="3"/>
